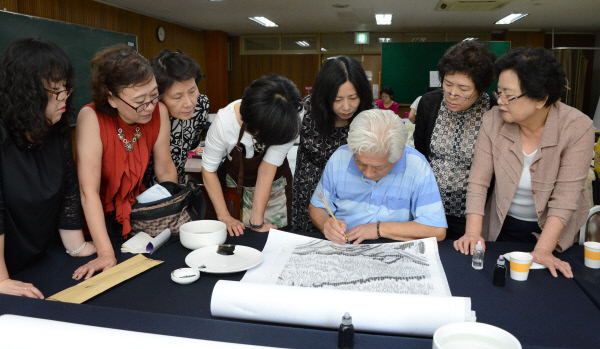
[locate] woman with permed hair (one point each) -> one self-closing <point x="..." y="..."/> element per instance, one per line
<point x="177" y="76"/>
<point x="539" y="151"/>
<point x="255" y="133"/>
<point x="340" y="92"/>
<point x="449" y="121"/>
<point x="116" y="134"/>
<point x="39" y="191"/>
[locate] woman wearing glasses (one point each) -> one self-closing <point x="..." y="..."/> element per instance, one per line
<point x="177" y="76"/>
<point x="539" y="151"/>
<point x="449" y="121"/>
<point x="116" y="134"/>
<point x="39" y="192"/>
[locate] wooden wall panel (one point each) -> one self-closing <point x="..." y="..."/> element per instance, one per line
<point x="518" y="39"/>
<point x="217" y="82"/>
<point x="301" y="69"/>
<point x="96" y="15"/>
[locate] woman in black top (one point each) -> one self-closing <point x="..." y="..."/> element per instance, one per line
<point x="448" y="123"/>
<point x="177" y="76"/>
<point x="340" y="92"/>
<point x="39" y="191"/>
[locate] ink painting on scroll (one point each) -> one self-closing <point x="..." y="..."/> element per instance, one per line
<point x="412" y="267"/>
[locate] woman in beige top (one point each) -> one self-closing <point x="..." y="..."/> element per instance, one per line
<point x="539" y="151"/>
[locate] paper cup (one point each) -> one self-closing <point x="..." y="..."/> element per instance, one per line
<point x="462" y="335"/>
<point x="591" y="254"/>
<point x="520" y="262"/>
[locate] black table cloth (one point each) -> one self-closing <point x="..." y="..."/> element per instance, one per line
<point x="541" y="312"/>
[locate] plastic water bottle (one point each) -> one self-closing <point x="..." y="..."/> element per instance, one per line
<point x="478" y="256"/>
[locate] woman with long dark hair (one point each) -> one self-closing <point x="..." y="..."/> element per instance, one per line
<point x="340" y="92"/>
<point x="39" y="191"/>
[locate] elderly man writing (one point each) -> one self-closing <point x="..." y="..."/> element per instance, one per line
<point x="376" y="186"/>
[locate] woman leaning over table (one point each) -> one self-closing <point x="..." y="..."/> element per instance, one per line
<point x="177" y="76"/>
<point x="340" y="92"/>
<point x="539" y="151"/>
<point x="449" y="121"/>
<point x="39" y="192"/>
<point x="115" y="136"/>
<point x="255" y="133"/>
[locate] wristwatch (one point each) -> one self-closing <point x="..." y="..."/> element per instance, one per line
<point x="258" y="226"/>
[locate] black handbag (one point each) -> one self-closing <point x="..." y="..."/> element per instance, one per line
<point x="185" y="205"/>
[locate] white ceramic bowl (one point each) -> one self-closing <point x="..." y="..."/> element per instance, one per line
<point x="462" y="335"/>
<point x="197" y="234"/>
<point x="185" y="276"/>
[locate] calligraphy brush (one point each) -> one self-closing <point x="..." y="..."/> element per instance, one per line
<point x="331" y="213"/>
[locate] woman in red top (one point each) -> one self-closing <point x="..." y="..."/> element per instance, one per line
<point x="115" y="136"/>
<point x="386" y="102"/>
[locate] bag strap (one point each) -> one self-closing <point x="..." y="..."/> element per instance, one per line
<point x="240" y="181"/>
<point x="197" y="198"/>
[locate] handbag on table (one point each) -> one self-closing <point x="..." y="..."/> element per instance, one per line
<point x="185" y="204"/>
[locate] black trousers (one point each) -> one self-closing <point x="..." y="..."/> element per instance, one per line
<point x="516" y="230"/>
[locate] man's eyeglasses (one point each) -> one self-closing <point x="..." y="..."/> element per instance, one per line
<point x="140" y="108"/>
<point x="59" y="94"/>
<point x="447" y="93"/>
<point x="505" y="99"/>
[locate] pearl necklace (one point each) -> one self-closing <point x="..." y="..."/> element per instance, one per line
<point x="129" y="145"/>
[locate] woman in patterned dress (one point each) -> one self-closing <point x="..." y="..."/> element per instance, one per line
<point x="340" y="92"/>
<point x="177" y="76"/>
<point x="449" y="121"/>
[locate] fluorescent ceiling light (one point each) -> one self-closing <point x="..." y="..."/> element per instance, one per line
<point x="302" y="43"/>
<point x="381" y="40"/>
<point x="383" y="19"/>
<point x="469" y="39"/>
<point x="263" y="21"/>
<point x="512" y="18"/>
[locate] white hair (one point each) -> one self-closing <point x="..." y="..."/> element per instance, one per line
<point x="377" y="132"/>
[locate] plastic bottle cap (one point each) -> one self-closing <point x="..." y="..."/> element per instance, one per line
<point x="501" y="260"/>
<point x="347" y="319"/>
<point x="479" y="246"/>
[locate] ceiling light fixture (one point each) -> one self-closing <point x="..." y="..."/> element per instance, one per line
<point x="512" y="18"/>
<point x="469" y="39"/>
<point x="263" y="21"/>
<point x="382" y="40"/>
<point x="383" y="19"/>
<point x="302" y="43"/>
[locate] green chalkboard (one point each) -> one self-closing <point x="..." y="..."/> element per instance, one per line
<point x="79" y="42"/>
<point x="405" y="66"/>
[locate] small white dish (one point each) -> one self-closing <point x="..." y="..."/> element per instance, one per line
<point x="534" y="265"/>
<point x="185" y="276"/>
<point x="207" y="259"/>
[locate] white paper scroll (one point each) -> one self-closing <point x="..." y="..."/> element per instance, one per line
<point x="26" y="332"/>
<point x="144" y="243"/>
<point x="319" y="307"/>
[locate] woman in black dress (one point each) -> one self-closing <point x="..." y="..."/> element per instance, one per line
<point x="39" y="191"/>
<point x="340" y="92"/>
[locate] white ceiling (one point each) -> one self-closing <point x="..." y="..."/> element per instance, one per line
<point x="319" y="16"/>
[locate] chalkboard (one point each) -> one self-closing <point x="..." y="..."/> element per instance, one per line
<point x="405" y="66"/>
<point x="79" y="42"/>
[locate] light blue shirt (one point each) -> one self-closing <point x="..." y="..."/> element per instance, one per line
<point x="408" y="193"/>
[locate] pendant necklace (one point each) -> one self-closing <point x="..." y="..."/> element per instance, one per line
<point x="129" y="145"/>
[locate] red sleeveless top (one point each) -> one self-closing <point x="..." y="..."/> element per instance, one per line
<point x="123" y="171"/>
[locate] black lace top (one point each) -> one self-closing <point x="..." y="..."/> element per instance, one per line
<point x="185" y="136"/>
<point x="39" y="194"/>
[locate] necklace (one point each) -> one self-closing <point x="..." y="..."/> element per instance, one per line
<point x="129" y="145"/>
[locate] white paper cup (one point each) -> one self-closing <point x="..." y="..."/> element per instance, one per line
<point x="463" y="335"/>
<point x="591" y="254"/>
<point x="520" y="262"/>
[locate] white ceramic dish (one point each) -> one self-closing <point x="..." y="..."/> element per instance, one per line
<point x="185" y="276"/>
<point x="198" y="234"/>
<point x="463" y="335"/>
<point x="534" y="265"/>
<point x="207" y="259"/>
